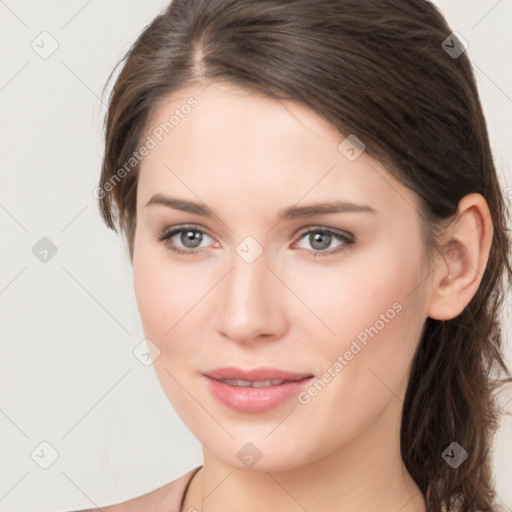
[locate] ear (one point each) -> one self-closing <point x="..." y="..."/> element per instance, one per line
<point x="465" y="244"/>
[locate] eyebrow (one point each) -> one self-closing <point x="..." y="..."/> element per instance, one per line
<point x="289" y="213"/>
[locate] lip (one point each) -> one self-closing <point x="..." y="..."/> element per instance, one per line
<point x="255" y="400"/>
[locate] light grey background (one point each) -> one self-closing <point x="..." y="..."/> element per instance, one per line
<point x="69" y="326"/>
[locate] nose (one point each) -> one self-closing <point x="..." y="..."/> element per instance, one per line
<point x="252" y="302"/>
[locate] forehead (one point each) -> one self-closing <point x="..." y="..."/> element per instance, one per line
<point x="244" y="145"/>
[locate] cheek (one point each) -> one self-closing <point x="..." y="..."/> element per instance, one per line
<point x="377" y="311"/>
<point x="155" y="292"/>
<point x="167" y="294"/>
<point x="366" y="290"/>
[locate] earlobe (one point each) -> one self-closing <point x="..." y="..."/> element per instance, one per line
<point x="464" y="256"/>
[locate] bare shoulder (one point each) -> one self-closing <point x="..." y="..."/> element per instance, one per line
<point x="166" y="498"/>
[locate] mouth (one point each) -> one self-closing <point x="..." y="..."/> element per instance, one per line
<point x="255" y="391"/>
<point x="254" y="383"/>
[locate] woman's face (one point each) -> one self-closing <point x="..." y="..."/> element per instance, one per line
<point x="340" y="294"/>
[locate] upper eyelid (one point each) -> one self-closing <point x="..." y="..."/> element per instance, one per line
<point x="178" y="229"/>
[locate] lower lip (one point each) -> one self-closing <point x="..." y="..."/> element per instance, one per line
<point x="246" y="399"/>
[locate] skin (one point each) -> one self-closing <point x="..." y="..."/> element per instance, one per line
<point x="246" y="157"/>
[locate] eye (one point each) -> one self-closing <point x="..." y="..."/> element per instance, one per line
<point x="321" y="239"/>
<point x="189" y="236"/>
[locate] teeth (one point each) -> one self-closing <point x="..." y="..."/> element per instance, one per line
<point x="252" y="384"/>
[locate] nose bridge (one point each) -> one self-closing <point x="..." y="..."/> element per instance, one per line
<point x="251" y="301"/>
<point x="248" y="283"/>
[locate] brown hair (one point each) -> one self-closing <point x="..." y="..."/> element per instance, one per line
<point x="377" y="69"/>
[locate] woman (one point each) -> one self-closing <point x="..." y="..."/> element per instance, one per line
<point x="320" y="253"/>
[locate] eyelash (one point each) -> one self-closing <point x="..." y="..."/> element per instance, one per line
<point x="348" y="240"/>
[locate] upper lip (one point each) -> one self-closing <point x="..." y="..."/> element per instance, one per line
<point x="255" y="374"/>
